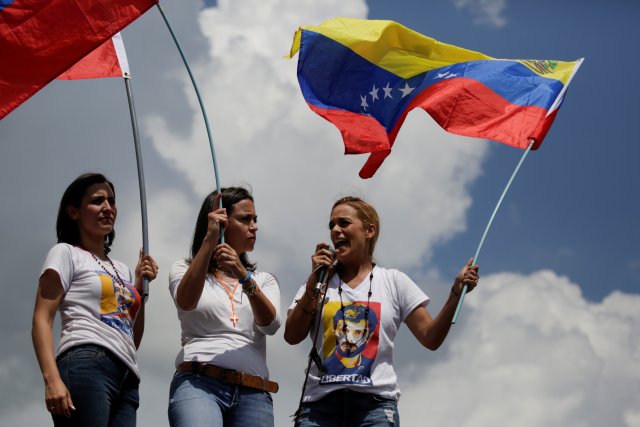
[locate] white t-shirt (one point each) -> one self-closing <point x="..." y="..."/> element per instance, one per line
<point x="89" y="309"/>
<point x="366" y="366"/>
<point x="208" y="334"/>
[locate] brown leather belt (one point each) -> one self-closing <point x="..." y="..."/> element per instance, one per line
<point x="229" y="376"/>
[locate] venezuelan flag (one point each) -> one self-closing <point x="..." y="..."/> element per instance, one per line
<point x="365" y="76"/>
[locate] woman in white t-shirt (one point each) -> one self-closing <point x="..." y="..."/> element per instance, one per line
<point x="352" y="381"/>
<point x="226" y="309"/>
<point x="94" y="379"/>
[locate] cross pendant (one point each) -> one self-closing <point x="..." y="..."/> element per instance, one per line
<point x="234" y="319"/>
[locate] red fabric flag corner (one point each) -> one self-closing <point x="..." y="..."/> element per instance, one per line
<point x="43" y="38"/>
<point x="108" y="60"/>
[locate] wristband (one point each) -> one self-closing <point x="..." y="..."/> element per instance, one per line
<point x="246" y="278"/>
<point x="454" y="292"/>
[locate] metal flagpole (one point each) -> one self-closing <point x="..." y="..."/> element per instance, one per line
<point x="204" y="112"/>
<point x="141" y="185"/>
<point x="554" y="106"/>
<point x="486" y="230"/>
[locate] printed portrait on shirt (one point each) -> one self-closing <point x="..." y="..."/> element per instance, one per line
<point x="350" y="342"/>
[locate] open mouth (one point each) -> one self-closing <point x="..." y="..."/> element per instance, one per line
<point x="340" y="244"/>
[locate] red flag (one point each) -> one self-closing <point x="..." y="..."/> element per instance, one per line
<point x="40" y="39"/>
<point x="108" y="60"/>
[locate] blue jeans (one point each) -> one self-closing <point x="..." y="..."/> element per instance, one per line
<point x="103" y="389"/>
<point x="197" y="400"/>
<point x="347" y="408"/>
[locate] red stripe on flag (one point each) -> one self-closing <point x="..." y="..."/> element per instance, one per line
<point x="361" y="134"/>
<point x="467" y="107"/>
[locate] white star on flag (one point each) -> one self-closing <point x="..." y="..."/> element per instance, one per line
<point x="387" y="91"/>
<point x="374" y="93"/>
<point x="364" y="104"/>
<point x="406" y="90"/>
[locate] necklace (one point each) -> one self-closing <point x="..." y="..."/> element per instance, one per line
<point x="230" y="289"/>
<point x="366" y="313"/>
<point x="119" y="288"/>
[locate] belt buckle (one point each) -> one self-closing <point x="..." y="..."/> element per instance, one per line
<point x="227" y="376"/>
<point x="198" y="368"/>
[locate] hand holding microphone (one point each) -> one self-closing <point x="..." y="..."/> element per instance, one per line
<point x="321" y="261"/>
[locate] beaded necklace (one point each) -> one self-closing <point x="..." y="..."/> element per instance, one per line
<point x="366" y="312"/>
<point x="119" y="289"/>
<point x="230" y="289"/>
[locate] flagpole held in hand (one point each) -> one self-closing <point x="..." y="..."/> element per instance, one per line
<point x="486" y="230"/>
<point x="141" y="184"/>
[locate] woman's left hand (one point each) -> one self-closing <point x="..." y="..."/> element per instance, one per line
<point x="146" y="267"/>
<point x="229" y="261"/>
<point x="468" y="275"/>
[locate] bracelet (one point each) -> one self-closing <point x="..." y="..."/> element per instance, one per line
<point x="310" y="313"/>
<point x="250" y="290"/>
<point x="246" y="278"/>
<point x="453" y="291"/>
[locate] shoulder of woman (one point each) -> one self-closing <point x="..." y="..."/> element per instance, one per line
<point x="394" y="275"/>
<point x="63" y="247"/>
<point x="181" y="264"/>
<point x="63" y="250"/>
<point x="263" y="277"/>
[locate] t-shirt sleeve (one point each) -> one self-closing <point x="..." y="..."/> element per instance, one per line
<point x="410" y="295"/>
<point x="176" y="273"/>
<point x="269" y="286"/>
<point x="60" y="260"/>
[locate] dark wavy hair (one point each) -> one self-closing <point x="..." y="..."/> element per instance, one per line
<point x="67" y="228"/>
<point x="230" y="196"/>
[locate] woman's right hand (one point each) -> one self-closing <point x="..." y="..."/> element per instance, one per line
<point x="58" y="399"/>
<point x="217" y="217"/>
<point x="322" y="258"/>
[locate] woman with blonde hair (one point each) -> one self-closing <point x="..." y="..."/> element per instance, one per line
<point x="353" y="382"/>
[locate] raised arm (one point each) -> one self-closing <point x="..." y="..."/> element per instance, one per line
<point x="299" y="319"/>
<point x="192" y="283"/>
<point x="431" y="332"/>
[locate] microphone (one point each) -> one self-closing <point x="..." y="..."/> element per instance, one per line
<point x="323" y="274"/>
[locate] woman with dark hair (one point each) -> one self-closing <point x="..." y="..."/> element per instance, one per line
<point x="94" y="379"/>
<point x="353" y="382"/>
<point x="226" y="309"/>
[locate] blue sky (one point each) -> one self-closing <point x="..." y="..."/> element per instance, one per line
<point x="550" y="337"/>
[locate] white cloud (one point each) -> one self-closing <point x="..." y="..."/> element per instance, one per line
<point x="531" y="351"/>
<point x="486" y="12"/>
